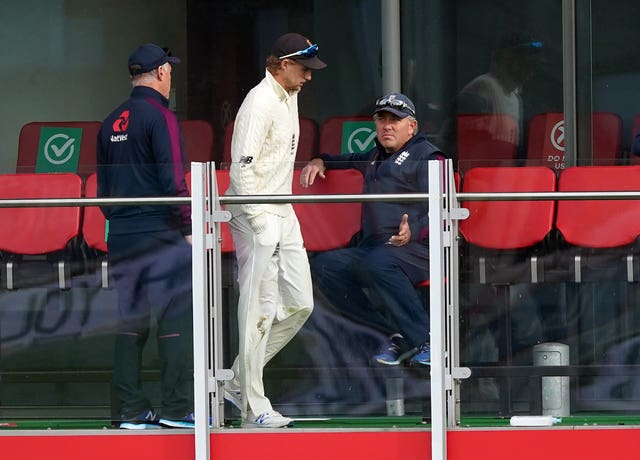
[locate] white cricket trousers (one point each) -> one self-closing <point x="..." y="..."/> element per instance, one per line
<point x="276" y="298"/>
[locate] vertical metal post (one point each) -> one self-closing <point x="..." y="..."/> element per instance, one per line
<point x="452" y="214"/>
<point x="437" y="309"/>
<point x="219" y="375"/>
<point x="569" y="81"/>
<point x="390" y="27"/>
<point x="201" y="370"/>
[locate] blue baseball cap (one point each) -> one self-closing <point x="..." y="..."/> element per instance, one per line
<point x="397" y="104"/>
<point x="148" y="57"/>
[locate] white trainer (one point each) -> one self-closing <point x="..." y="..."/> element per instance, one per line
<point x="270" y="419"/>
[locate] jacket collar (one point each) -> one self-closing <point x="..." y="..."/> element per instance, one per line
<point x="147" y="92"/>
<point x="279" y="91"/>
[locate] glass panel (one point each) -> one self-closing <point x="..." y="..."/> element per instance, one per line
<point x="63" y="333"/>
<point x="608" y="77"/>
<point x="57" y="344"/>
<point x="608" y="322"/>
<point x="328" y="369"/>
<point x="482" y="75"/>
<point x="479" y="74"/>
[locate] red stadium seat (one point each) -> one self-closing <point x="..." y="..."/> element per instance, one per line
<point x="307" y="146"/>
<point x="199" y="141"/>
<point x="634" y="158"/>
<point x="57" y="142"/>
<point x="499" y="226"/>
<point x="94" y="230"/>
<point x="596" y="228"/>
<point x="327" y="226"/>
<point x="504" y="241"/>
<point x="546" y="139"/>
<point x="93" y="223"/>
<point x="486" y="140"/>
<point x="335" y="134"/>
<point x="38" y="231"/>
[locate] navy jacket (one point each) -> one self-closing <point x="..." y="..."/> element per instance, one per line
<point x="140" y="154"/>
<point x="404" y="171"/>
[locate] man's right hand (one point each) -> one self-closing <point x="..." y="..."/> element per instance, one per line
<point x="314" y="168"/>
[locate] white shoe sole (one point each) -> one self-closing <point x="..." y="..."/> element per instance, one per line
<point x="282" y="424"/>
<point x="277" y="421"/>
<point x="176" y="424"/>
<point x="139" y="426"/>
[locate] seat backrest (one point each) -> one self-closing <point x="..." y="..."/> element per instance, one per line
<point x="342" y="134"/>
<point x="307" y="146"/>
<point x="635" y="130"/>
<point x="222" y="176"/>
<point x="607" y="136"/>
<point x="93" y="222"/>
<point x="58" y="146"/>
<point x="599" y="223"/>
<point x="327" y="226"/>
<point x="545" y="141"/>
<point x="508" y="224"/>
<point x="486" y="140"/>
<point x="635" y="127"/>
<point x="199" y="141"/>
<point x="226" y="144"/>
<point x="39" y="230"/>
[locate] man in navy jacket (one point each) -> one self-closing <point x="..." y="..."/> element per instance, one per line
<point x="390" y="254"/>
<point x="140" y="155"/>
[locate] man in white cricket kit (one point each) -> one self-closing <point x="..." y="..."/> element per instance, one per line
<point x="276" y="295"/>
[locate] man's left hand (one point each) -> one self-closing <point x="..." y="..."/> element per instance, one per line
<point x="404" y="233"/>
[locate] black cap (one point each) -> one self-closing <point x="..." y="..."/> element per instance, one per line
<point x="148" y="57"/>
<point x="299" y="48"/>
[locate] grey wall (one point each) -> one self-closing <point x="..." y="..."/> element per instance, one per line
<point x="64" y="60"/>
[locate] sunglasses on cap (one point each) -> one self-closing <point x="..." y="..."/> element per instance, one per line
<point x="309" y="52"/>
<point x="395" y="104"/>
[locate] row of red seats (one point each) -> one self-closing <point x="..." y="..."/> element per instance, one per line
<point x="492" y="225"/>
<point x="198" y="137"/>
<point x="492" y="140"/>
<point x="589" y="231"/>
<point x="48" y="231"/>
<point x="483" y="139"/>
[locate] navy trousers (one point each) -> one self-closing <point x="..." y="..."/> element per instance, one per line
<point x="152" y="275"/>
<point x="375" y="286"/>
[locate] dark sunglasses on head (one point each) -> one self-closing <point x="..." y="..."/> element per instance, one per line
<point x="394" y="103"/>
<point x="309" y="52"/>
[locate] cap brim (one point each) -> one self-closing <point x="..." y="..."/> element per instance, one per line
<point x="173" y="60"/>
<point x="396" y="112"/>
<point x="312" y="63"/>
